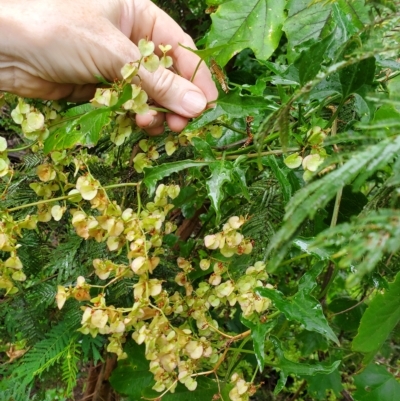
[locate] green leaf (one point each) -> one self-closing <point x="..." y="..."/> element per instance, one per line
<point x="241" y="24"/>
<point x="205" y="54"/>
<point x="358" y="74"/>
<point x="376" y="383"/>
<point x="380" y="318"/>
<point x="350" y="320"/>
<point x="239" y="176"/>
<point x="189" y="200"/>
<point x="132" y="374"/>
<point x="386" y="118"/>
<point x="304" y="23"/>
<point x="309" y="21"/>
<point x="124" y="97"/>
<point x="312" y="342"/>
<point x="288" y="367"/>
<point x="204" y="149"/>
<point x="311" y="60"/>
<point x="258" y="333"/>
<point x="320" y="384"/>
<point x="233" y="104"/>
<point x="206" y="389"/>
<point x="154" y="174"/>
<point x="85" y="131"/>
<point x="303" y="307"/>
<point x="220" y="173"/>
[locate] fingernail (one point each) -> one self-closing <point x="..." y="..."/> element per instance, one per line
<point x="194" y="103"/>
<point x="153" y="121"/>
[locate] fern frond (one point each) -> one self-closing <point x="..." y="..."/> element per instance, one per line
<point x="69" y="365"/>
<point x="363" y="242"/>
<point x="63" y="260"/>
<point x="44" y="354"/>
<point x="41" y="296"/>
<point x="316" y="195"/>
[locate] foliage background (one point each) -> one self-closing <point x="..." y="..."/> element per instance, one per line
<point x="331" y="242"/>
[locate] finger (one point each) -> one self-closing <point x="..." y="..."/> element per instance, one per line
<point x="24" y="84"/>
<point x="175" y="122"/>
<point x="162" y="29"/>
<point x="152" y="122"/>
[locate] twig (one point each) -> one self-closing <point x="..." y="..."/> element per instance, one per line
<point x="41" y="202"/>
<point x="254" y="155"/>
<point x="354" y="306"/>
<point x="299" y="390"/>
<point x="346" y="396"/>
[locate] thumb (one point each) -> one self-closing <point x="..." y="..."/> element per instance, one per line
<point x="165" y="87"/>
<point x="174" y="92"/>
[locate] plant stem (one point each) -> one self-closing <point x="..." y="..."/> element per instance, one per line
<point x="239" y="131"/>
<point x="22" y="147"/>
<point x="254" y="155"/>
<point x="162" y="109"/>
<point x="299" y="390"/>
<point x="242" y="150"/>
<point x="298" y="257"/>
<point x="195" y="70"/>
<point x="60" y="198"/>
<point x="332" y="268"/>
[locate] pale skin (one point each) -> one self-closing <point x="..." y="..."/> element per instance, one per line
<point x="53" y="49"/>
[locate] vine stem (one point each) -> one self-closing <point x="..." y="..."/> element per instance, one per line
<point x="22" y="147"/>
<point x="60" y="198"/>
<point x="332" y="268"/>
<point x="254" y="155"/>
<point x="195" y="70"/>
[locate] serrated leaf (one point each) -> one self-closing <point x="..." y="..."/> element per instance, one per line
<point x="85" y="131"/>
<point x="154" y="174"/>
<point x="376" y="383"/>
<point x="303" y="307"/>
<point x="258" y="333"/>
<point x="380" y="318"/>
<point x="220" y="173"/>
<point x="132" y="374"/>
<point x="241" y="24"/>
<point x="304" y="369"/>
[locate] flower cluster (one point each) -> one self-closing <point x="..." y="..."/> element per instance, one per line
<point x="176" y="353"/>
<point x="33" y="121"/>
<point x="230" y="241"/>
<point x="11" y="268"/>
<point x="173" y="142"/>
<point x="242" y="390"/>
<point x="311" y="162"/>
<point x="4" y="161"/>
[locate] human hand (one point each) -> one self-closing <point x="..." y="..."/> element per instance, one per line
<point x="53" y="49"/>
